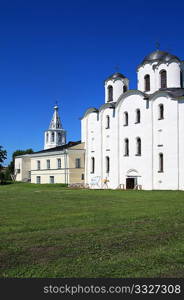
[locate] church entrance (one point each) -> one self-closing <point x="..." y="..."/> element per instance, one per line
<point x="130" y="183"/>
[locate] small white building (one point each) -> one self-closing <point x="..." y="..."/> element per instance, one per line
<point x="136" y="139"/>
<point x="57" y="163"/>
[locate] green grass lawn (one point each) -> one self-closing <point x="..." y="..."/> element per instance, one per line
<point x="51" y="231"/>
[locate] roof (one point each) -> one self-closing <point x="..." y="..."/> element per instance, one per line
<point x="55" y="122"/>
<point x="115" y="76"/>
<point x="160" y="56"/>
<point x="174" y="92"/>
<point x="59" y="148"/>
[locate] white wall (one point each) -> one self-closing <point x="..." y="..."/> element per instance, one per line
<point x="173" y="75"/>
<point x="157" y="136"/>
<point x="22" y="168"/>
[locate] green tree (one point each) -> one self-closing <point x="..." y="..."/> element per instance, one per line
<point x="3" y="156"/>
<point x="17" y="153"/>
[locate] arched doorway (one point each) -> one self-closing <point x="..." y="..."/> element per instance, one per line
<point x="132" y="179"/>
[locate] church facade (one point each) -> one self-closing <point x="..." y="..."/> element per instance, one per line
<point x="135" y="140"/>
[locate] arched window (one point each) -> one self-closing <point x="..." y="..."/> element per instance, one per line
<point x="138" y="116"/>
<point x="59" y="137"/>
<point x="52" y="137"/>
<point x="126" y="147"/>
<point x="125" y="118"/>
<point x="110" y="93"/>
<point x="181" y="79"/>
<point x="138" y="146"/>
<point x="161" y="162"/>
<point x="92" y="165"/>
<point x="107" y="159"/>
<point x="107" y="122"/>
<point x="160" y="111"/>
<point x="163" y="79"/>
<point x="147" y="83"/>
<point x="124" y="88"/>
<point x="47" y="137"/>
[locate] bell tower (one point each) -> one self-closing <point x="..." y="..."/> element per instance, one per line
<point x="115" y="86"/>
<point x="55" y="135"/>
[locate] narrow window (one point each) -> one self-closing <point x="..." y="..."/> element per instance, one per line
<point x="77" y="163"/>
<point x="138" y="116"/>
<point x="82" y="176"/>
<point x="59" y="163"/>
<point x="138" y="146"/>
<point x="125" y="118"/>
<point x="126" y="147"/>
<point x="57" y="123"/>
<point x="181" y="79"/>
<point x="92" y="165"/>
<point x="52" y="179"/>
<point x="52" y="137"/>
<point x="38" y="179"/>
<point x="48" y="163"/>
<point x="160" y="111"/>
<point x="59" y="137"/>
<point x="163" y="79"/>
<point x="47" y="137"/>
<point x="107" y="122"/>
<point x="147" y="83"/>
<point x="38" y="164"/>
<point x="124" y="88"/>
<point x="161" y="162"/>
<point x="110" y="93"/>
<point x="107" y="164"/>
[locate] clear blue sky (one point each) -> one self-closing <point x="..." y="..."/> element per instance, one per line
<point x="64" y="50"/>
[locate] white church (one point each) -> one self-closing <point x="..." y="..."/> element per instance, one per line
<point x="135" y="140"/>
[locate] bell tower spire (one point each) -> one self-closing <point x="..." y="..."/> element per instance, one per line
<point x="55" y="135"/>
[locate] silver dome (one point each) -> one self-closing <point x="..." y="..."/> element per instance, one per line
<point x="160" y="56"/>
<point x="115" y="75"/>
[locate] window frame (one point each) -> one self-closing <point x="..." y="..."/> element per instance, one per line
<point x="52" y="137"/>
<point x="160" y="111"/>
<point x="59" y="163"/>
<point x="107" y="122"/>
<point x="161" y="162"/>
<point x="107" y="164"/>
<point x="38" y="165"/>
<point x="125" y="89"/>
<point x="138" y="146"/>
<point x="147" y="85"/>
<point x="77" y="163"/>
<point x="137" y="116"/>
<point x="163" y="79"/>
<point x="48" y="164"/>
<point x="110" y="93"/>
<point x="92" y="165"/>
<point x="126" y="147"/>
<point x="38" y="179"/>
<point x="51" y="179"/>
<point x="125" y="115"/>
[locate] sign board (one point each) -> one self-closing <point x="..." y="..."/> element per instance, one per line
<point x="95" y="180"/>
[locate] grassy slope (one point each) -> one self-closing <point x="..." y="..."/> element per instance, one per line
<point x="49" y="231"/>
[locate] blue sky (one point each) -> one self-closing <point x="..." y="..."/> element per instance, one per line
<point x="63" y="50"/>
